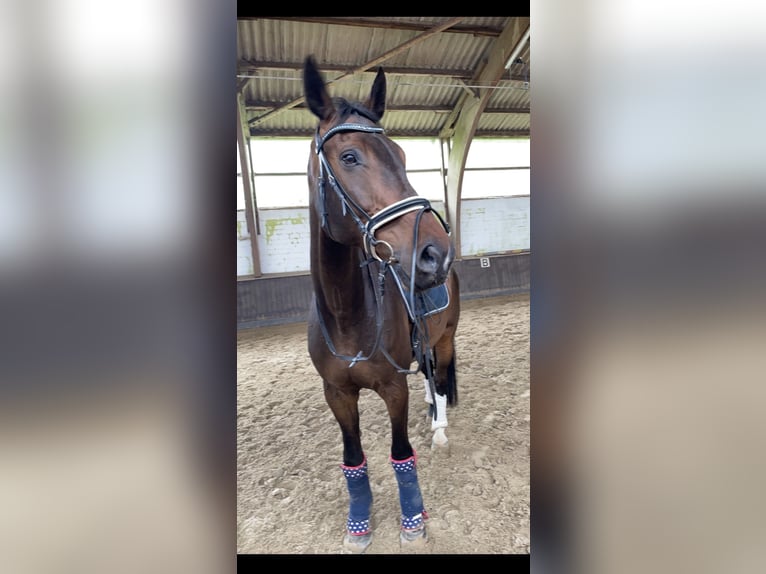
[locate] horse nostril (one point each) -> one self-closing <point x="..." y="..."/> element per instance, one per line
<point x="430" y="259"/>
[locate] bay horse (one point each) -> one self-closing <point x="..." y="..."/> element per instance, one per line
<point x="384" y="294"/>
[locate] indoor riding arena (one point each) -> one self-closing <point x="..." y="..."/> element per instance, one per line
<point x="458" y="105"/>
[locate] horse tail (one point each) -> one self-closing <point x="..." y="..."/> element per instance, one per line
<point x="451" y="382"/>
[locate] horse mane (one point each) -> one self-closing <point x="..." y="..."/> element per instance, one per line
<point x="346" y="108"/>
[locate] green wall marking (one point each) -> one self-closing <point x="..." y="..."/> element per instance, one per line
<point x="272" y="224"/>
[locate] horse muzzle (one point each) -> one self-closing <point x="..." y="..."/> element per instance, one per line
<point x="432" y="266"/>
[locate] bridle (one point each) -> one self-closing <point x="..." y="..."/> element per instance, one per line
<point x="368" y="225"/>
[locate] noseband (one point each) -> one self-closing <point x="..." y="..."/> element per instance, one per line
<point x="367" y="224"/>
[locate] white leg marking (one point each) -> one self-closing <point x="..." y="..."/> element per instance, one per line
<point x="429" y="398"/>
<point x="441" y="412"/>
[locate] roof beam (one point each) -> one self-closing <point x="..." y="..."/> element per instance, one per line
<point x="246" y="66"/>
<point x="463" y="123"/>
<point x="392" y="132"/>
<point x="256" y="106"/>
<point x="383" y="23"/>
<point x="374" y="62"/>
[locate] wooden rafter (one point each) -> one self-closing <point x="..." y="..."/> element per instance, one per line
<point x="366" y="66"/>
<point x="382" y="23"/>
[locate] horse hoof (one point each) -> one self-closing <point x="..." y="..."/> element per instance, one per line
<point x="357" y="544"/>
<point x="439" y="439"/>
<point x="413" y="538"/>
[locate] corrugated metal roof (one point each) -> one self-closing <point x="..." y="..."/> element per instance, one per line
<point x="426" y="78"/>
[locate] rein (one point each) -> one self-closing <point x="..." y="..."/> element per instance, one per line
<point x="368" y="225"/>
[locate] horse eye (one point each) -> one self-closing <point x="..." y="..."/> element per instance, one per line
<point x="349" y="158"/>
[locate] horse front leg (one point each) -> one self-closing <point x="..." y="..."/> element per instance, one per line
<point x="445" y="383"/>
<point x="437" y="414"/>
<point x="404" y="462"/>
<point x="345" y="407"/>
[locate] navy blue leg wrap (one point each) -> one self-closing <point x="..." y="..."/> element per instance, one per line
<point x="410" y="499"/>
<point x="360" y="498"/>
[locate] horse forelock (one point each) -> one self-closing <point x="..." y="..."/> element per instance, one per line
<point x="346" y="108"/>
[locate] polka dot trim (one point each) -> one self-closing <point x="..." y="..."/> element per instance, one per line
<point x="355" y="471"/>
<point x="358" y="527"/>
<point x="406" y="465"/>
<point x="414" y="522"/>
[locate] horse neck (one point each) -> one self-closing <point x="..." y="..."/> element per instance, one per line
<point x="341" y="286"/>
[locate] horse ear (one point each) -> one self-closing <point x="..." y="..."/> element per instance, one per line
<point x="317" y="98"/>
<point x="376" y="103"/>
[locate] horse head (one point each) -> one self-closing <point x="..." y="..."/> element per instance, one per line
<point x="360" y="192"/>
